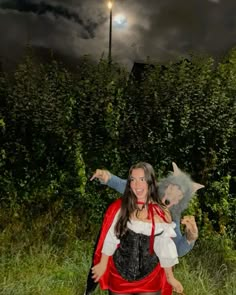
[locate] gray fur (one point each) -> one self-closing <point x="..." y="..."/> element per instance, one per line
<point x="185" y="183"/>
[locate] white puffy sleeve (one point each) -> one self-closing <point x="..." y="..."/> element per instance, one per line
<point x="111" y="241"/>
<point x="164" y="245"/>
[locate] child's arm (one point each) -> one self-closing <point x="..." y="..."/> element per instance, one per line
<point x="177" y="286"/>
<point x="113" y="181"/>
<point x="108" y="249"/>
<point x="99" y="269"/>
<point x="165" y="249"/>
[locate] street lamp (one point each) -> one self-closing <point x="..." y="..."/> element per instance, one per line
<point x="110" y="30"/>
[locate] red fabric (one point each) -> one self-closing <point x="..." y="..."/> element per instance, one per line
<point x="112" y="280"/>
<point x="155" y="281"/>
<point x="107" y="222"/>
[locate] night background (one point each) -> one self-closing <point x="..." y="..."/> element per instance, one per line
<point x="167" y="94"/>
<point x="162" y="30"/>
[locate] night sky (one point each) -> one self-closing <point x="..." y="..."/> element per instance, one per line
<point x="160" y="29"/>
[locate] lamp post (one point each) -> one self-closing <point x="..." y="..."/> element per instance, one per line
<point x="110" y="31"/>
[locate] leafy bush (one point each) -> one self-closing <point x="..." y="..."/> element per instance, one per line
<point x="59" y="126"/>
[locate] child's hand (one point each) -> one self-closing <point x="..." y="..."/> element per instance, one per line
<point x="177" y="286"/>
<point x="102" y="175"/>
<point x="98" y="270"/>
<point x="191" y="228"/>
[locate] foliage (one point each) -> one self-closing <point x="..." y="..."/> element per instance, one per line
<point x="41" y="144"/>
<point x="58" y="126"/>
<point x="178" y="112"/>
<point x="100" y="103"/>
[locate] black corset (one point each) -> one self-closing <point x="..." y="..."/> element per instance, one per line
<point x="132" y="258"/>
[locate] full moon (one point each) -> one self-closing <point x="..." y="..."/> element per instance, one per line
<point x="120" y="20"/>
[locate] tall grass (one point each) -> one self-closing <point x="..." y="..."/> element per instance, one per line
<point x="34" y="264"/>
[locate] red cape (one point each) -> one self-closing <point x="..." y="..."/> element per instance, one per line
<point x="106" y="224"/>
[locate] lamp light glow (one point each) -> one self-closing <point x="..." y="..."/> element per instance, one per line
<point x="109" y="5"/>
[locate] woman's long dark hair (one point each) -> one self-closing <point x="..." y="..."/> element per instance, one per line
<point x="129" y="200"/>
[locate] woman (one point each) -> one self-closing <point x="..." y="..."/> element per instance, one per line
<point x="135" y="252"/>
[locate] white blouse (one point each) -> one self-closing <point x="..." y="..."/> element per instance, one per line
<point x="164" y="246"/>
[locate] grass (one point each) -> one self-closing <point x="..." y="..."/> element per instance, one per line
<point x="31" y="264"/>
<point x="42" y="270"/>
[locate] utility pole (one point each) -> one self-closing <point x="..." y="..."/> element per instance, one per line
<point x="110" y="4"/>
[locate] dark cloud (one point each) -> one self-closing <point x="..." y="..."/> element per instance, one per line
<point x="43" y="8"/>
<point x="163" y="29"/>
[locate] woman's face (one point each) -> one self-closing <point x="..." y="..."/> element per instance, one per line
<point x="139" y="184"/>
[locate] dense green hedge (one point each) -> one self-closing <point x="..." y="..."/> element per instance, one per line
<point x="58" y="126"/>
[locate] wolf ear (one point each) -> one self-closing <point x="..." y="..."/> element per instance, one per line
<point x="176" y="170"/>
<point x="196" y="186"/>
